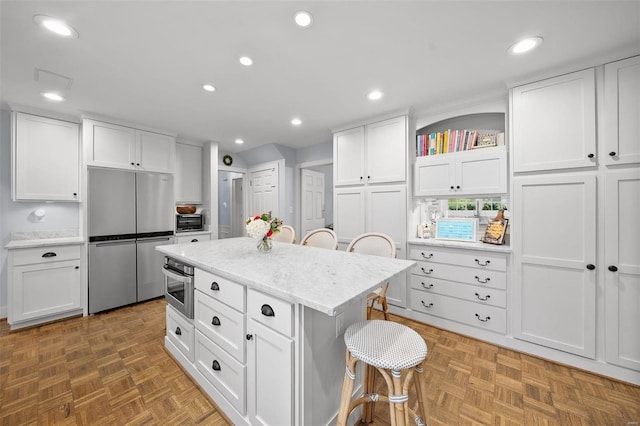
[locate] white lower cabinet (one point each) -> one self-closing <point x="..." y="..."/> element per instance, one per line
<point x="465" y="286"/>
<point x="194" y="238"/>
<point x="181" y="332"/>
<point x="44" y="284"/>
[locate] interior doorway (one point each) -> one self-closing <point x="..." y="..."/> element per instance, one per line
<point x="316" y="205"/>
<point x="231" y="214"/>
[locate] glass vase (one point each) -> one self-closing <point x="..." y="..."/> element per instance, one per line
<point x="265" y="244"/>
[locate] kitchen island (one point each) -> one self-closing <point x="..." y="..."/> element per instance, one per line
<point x="266" y="339"/>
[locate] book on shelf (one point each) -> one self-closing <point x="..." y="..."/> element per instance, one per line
<point x="457" y="140"/>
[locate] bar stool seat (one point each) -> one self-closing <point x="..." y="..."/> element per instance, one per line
<point x="394" y="350"/>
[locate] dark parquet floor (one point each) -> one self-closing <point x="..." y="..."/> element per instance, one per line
<point x="112" y="369"/>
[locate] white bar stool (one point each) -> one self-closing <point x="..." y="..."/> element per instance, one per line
<point x="395" y="350"/>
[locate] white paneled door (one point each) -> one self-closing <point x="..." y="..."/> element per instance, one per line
<point x="312" y="201"/>
<point x="263" y="182"/>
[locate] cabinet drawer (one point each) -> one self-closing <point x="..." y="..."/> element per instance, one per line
<point x="474" y="259"/>
<point x="270" y="311"/>
<point x="487" y="317"/>
<point x="472" y="276"/>
<point x="222" y="324"/>
<point x="221" y="289"/>
<point x="180" y="331"/>
<point x="474" y="293"/>
<point x="222" y="371"/>
<point x="45" y="254"/>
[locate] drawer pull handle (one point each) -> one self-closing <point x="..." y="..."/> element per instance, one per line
<point x="49" y="254"/>
<point x="427" y="286"/>
<point x="487" y="297"/>
<point x="483" y="264"/>
<point x="425" y="256"/>
<point x="487" y="318"/>
<point x="482" y="282"/>
<point x="215" y="286"/>
<point x="249" y="336"/>
<point x="215" y="365"/>
<point x="215" y="321"/>
<point x="429" y="306"/>
<point x="427" y="272"/>
<point x="195" y="240"/>
<point x="267" y="311"/>
<point x="178" y="331"/>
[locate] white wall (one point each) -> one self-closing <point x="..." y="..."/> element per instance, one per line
<point x="18" y="216"/>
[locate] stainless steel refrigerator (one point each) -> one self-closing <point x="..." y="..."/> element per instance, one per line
<point x="130" y="213"/>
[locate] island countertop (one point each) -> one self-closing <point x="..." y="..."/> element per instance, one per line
<point x="321" y="279"/>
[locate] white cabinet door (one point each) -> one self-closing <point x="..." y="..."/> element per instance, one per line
<point x="553" y="123"/>
<point x="348" y="154"/>
<point x="109" y="145"/>
<point x="482" y="172"/>
<point x="46" y="159"/>
<point x="387" y="211"/>
<point x="154" y="152"/>
<point x="270" y="384"/>
<point x="622" y="111"/>
<point x="622" y="260"/>
<point x="45" y="289"/>
<point x="349" y="212"/>
<point x="555" y="255"/>
<point x="386" y="151"/>
<point x="434" y="176"/>
<point x="188" y="174"/>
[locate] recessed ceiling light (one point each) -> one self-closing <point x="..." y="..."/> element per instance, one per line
<point x="208" y="88"/>
<point x="246" y="61"/>
<point x="52" y="96"/>
<point x="525" y="45"/>
<point x="303" y="19"/>
<point x="374" y="95"/>
<point x="239" y="141"/>
<point x="296" y="121"/>
<point x="56" y="25"/>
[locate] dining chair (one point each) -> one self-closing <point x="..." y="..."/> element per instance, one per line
<point x="321" y="237"/>
<point x="286" y="235"/>
<point x="376" y="244"/>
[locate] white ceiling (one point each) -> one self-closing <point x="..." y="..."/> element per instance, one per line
<point x="145" y="61"/>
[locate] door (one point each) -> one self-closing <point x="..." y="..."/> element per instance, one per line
<point x="622" y="260"/>
<point x="348" y="154"/>
<point x="110" y="145"/>
<point x="434" y="176"/>
<point x="555" y="253"/>
<point x="386" y="150"/>
<point x="112" y="275"/>
<point x="312" y="211"/>
<point x="482" y="172"/>
<point x="349" y="210"/>
<point x="150" y="279"/>
<point x="112" y="202"/>
<point x="155" y="152"/>
<point x="154" y="202"/>
<point x="264" y="189"/>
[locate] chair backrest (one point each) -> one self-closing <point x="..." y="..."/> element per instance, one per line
<point x="322" y="237"/>
<point x="287" y="234"/>
<point x="373" y="243"/>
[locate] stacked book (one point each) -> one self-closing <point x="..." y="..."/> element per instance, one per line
<point x="456" y="141"/>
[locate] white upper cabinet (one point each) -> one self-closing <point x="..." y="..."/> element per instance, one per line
<point x="46" y="159"/>
<point x="188" y="176"/>
<point x="622" y="111"/>
<point x="553" y="123"/>
<point x="374" y="153"/>
<point x="114" y="146"/>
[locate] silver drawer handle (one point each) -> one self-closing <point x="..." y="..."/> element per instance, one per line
<point x="482" y="282"/>
<point x="429" y="306"/>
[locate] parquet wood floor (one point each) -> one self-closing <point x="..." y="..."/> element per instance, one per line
<point x="112" y="369"/>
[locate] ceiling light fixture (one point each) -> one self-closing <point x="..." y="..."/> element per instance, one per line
<point x="246" y="61"/>
<point x="52" y="96"/>
<point x="296" y="121"/>
<point x="56" y="25"/>
<point x="303" y="19"/>
<point x="374" y="95"/>
<point x="239" y="141"/>
<point x="208" y="88"/>
<point x="525" y="45"/>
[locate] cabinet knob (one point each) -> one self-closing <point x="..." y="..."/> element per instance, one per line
<point x="137" y="164"/>
<point x="483" y="264"/>
<point x="613" y="268"/>
<point x="133" y="164"/>
<point x="612" y="154"/>
<point x="485" y="319"/>
<point x="360" y="177"/>
<point x="75" y="194"/>
<point x="215" y="321"/>
<point x="178" y="331"/>
<point x="429" y="306"/>
<point x="215" y="286"/>
<point x="591" y="155"/>
<point x="451" y="186"/>
<point x="77" y="267"/>
<point x="486" y="280"/>
<point x="249" y="336"/>
<point x="368" y="177"/>
<point x="216" y="365"/>
<point x="591" y="266"/>
<point x="267" y="311"/>
<point x="457" y="186"/>
<point x="195" y="240"/>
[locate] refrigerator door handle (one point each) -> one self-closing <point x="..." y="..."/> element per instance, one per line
<point x="113" y="243"/>
<point x="148" y="240"/>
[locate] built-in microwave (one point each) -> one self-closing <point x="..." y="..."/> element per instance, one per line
<point x="189" y="222"/>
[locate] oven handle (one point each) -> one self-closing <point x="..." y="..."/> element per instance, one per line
<point x="177" y="277"/>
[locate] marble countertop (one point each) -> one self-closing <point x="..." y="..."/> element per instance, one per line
<point x="460" y="245"/>
<point x="321" y="279"/>
<point x="43" y="239"/>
